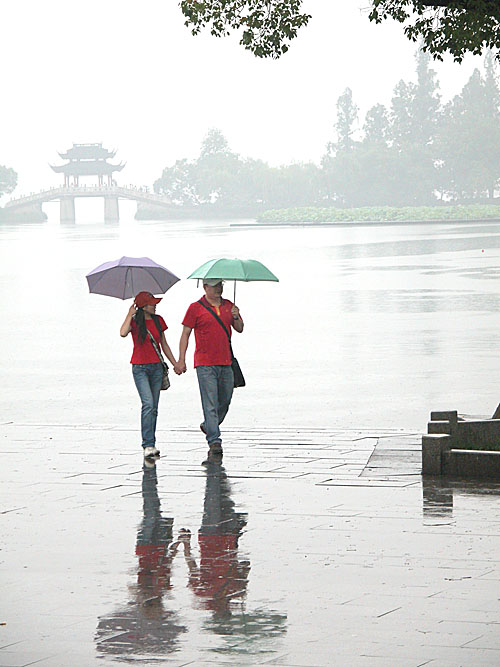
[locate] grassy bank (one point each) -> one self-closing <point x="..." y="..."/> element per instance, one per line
<point x="382" y="214"/>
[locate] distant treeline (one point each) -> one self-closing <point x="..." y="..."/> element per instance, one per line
<point x="416" y="152"/>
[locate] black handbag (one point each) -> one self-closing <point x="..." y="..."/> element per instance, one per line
<point x="239" y="380"/>
<point x="165" y="381"/>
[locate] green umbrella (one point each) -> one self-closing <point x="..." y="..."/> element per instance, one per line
<point x="246" y="270"/>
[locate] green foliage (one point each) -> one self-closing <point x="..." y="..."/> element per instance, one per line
<point x="413" y="153"/>
<point x="221" y="179"/>
<point x="416" y="151"/>
<point x="8" y="180"/>
<point x="457" y="27"/>
<point x="267" y="26"/>
<point x="468" y="141"/>
<point x="376" y="127"/>
<point x="178" y="183"/>
<point x="382" y="214"/>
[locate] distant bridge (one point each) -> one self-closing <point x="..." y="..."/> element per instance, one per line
<point x="66" y="195"/>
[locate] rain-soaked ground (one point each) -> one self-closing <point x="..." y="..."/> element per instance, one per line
<point x="316" y="542"/>
<point x="307" y="547"/>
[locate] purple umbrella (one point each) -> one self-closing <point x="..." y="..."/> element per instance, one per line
<point x="125" y="277"/>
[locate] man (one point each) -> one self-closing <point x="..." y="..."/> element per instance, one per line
<point x="212" y="357"/>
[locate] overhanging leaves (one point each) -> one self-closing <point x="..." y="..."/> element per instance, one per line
<point x="267" y="26"/>
<point x="457" y="27"/>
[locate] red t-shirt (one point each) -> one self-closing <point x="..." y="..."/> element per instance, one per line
<point x="219" y="572"/>
<point x="212" y="345"/>
<point x="144" y="352"/>
<point x="154" y="571"/>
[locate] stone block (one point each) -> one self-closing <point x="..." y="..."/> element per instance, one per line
<point x="477" y="433"/>
<point x="439" y="427"/>
<point x="432" y="448"/>
<point x="444" y="415"/>
<point x="471" y="464"/>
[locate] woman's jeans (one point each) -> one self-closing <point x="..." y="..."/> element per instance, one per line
<point x="216" y="390"/>
<point x="148" y="379"/>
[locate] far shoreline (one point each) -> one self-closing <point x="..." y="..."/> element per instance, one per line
<point x="366" y="223"/>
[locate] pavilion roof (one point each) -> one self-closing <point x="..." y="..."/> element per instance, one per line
<point x="87" y="152"/>
<point x="87" y="168"/>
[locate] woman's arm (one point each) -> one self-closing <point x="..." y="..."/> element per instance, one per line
<point x="126" y="326"/>
<point x="167" y="351"/>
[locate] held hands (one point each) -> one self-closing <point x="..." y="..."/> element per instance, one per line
<point x="235" y="312"/>
<point x="185" y="539"/>
<point x="180" y="368"/>
<point x="184" y="535"/>
<point x="132" y="310"/>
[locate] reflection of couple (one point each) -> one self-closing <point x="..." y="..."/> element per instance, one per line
<point x="145" y="626"/>
<point x="220" y="576"/>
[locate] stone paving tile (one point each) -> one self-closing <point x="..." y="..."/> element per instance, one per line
<point x="342" y="553"/>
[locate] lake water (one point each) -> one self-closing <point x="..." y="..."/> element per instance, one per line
<point x="368" y="326"/>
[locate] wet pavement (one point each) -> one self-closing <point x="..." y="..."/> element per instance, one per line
<point x="306" y="547"/>
<point x="317" y="543"/>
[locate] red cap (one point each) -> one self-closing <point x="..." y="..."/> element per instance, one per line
<point x="146" y="299"/>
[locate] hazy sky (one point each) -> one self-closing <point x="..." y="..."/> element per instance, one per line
<point x="130" y="74"/>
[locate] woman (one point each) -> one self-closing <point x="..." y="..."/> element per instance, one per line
<point x="147" y="368"/>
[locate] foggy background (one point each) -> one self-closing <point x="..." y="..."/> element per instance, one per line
<point x="131" y="75"/>
<point x="370" y="326"/>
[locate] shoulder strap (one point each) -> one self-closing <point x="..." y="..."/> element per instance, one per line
<point x="157" y="349"/>
<point x="220" y="322"/>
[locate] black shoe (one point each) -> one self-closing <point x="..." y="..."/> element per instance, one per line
<point x="214" y="455"/>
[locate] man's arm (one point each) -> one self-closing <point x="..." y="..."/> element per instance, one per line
<point x="237" y="322"/>
<point x="183" y="345"/>
<point x="168" y="353"/>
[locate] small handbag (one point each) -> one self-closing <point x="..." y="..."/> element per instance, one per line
<point x="239" y="380"/>
<point x="165" y="381"/>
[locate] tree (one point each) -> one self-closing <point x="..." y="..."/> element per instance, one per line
<point x="292" y="185"/>
<point x="268" y="26"/>
<point x="347" y="116"/>
<point x="340" y="165"/>
<point x="414" y="115"/>
<point x="426" y="102"/>
<point x="457" y="27"/>
<point x="8" y="180"/>
<point x="178" y="183"/>
<point x="376" y="127"/>
<point x="469" y="139"/>
<point x="215" y="143"/>
<point x="401" y="118"/>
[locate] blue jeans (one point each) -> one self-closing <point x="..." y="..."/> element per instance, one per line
<point x="148" y="379"/>
<point x="216" y="390"/>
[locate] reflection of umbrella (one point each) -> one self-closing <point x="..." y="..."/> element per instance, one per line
<point x="125" y="277"/>
<point x="247" y="631"/>
<point x="246" y="270"/>
<point x="145" y="629"/>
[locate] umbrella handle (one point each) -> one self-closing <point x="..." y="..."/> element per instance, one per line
<point x="234" y="297"/>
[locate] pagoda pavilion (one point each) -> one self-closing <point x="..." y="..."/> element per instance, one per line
<point x="87" y="160"/>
